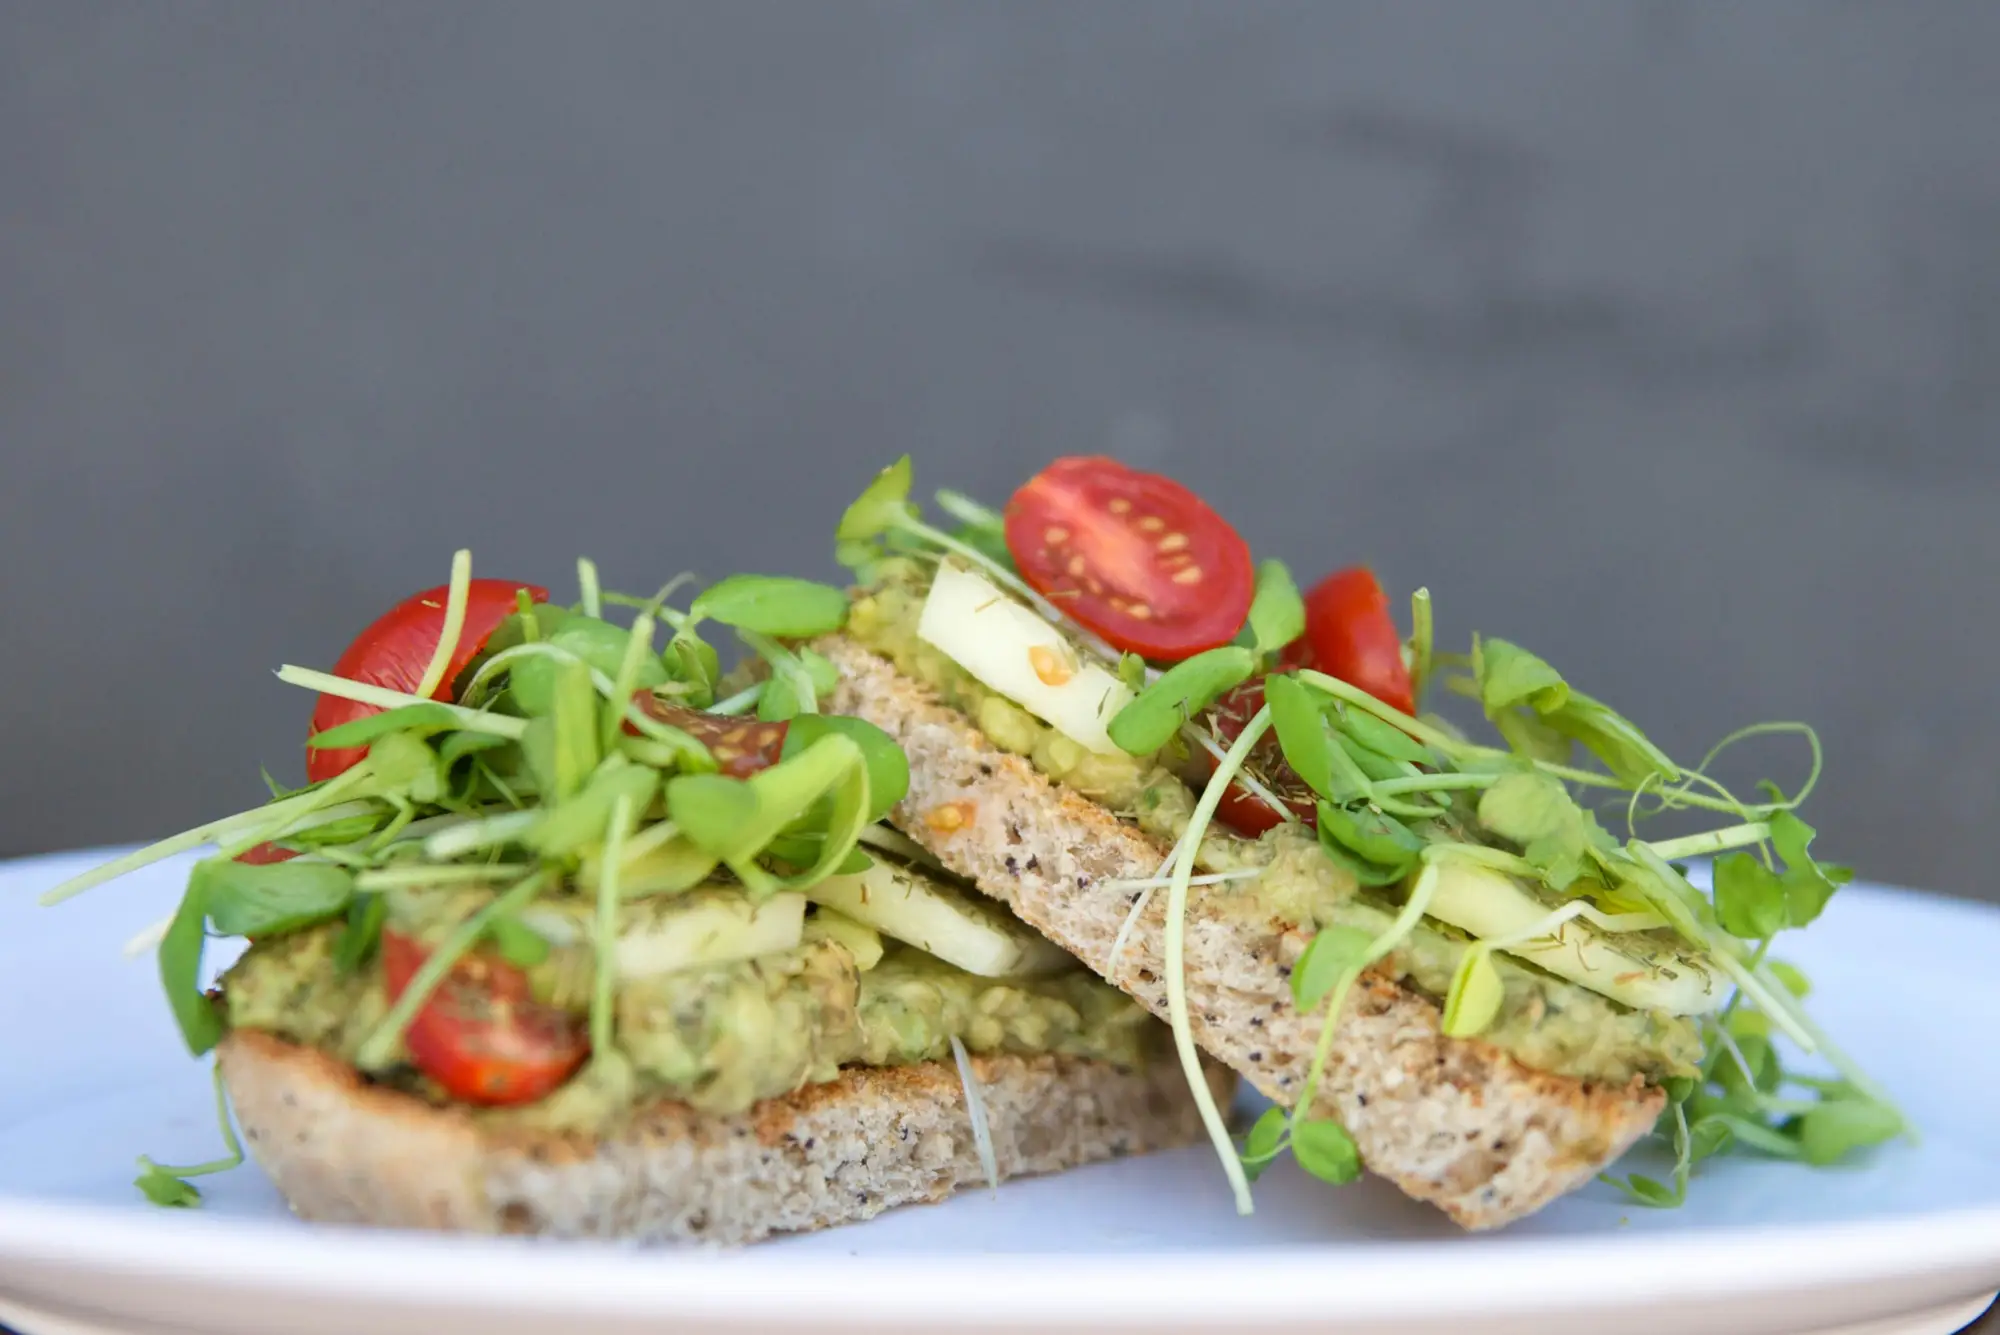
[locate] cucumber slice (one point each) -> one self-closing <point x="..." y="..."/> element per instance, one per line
<point x="1011" y="650"/>
<point x="862" y="941"/>
<point x="1625" y="967"/>
<point x="974" y="934"/>
<point x="702" y="928"/>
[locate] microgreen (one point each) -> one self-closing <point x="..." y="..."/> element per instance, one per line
<point x="1150" y="720"/>
<point x="1324" y="1149"/>
<point x="980" y="527"/>
<point x="1332" y="953"/>
<point x="1265" y="1142"/>
<point x="1384" y="739"/>
<point x="517" y="943"/>
<point x="1475" y="996"/>
<point x="778" y="605"/>
<point x="588" y="599"/>
<point x="456" y="595"/>
<point x="362" y="931"/>
<point x="167" y="1185"/>
<point x="1301" y="729"/>
<point x="888" y="768"/>
<point x="604" y="936"/>
<point x="1277" y="613"/>
<point x="243" y="899"/>
<point x="420" y="718"/>
<point x="1421" y="648"/>
<point x="1373" y="836"/>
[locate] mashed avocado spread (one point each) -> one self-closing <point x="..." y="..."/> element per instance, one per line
<point x="724" y="1037"/>
<point x="1546" y="1022"/>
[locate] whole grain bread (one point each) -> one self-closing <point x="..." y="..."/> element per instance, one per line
<point x="1458" y="1123"/>
<point x="342" y="1150"/>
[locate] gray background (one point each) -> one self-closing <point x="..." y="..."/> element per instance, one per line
<point x="1663" y="338"/>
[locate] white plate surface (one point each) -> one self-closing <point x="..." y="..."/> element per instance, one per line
<point x="95" y="1075"/>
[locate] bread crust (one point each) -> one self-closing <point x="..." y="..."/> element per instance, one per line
<point x="344" y="1150"/>
<point x="1454" y="1122"/>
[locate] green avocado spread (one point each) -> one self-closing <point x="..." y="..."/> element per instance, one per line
<point x="1545" y="1022"/>
<point x="723" y="1037"/>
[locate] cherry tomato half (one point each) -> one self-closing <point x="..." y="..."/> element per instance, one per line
<point x="741" y="746"/>
<point x="263" y="855"/>
<point x="1136" y="557"/>
<point x="395" y="650"/>
<point x="482" y="1035"/>
<point x="1239" y="808"/>
<point x="1350" y="635"/>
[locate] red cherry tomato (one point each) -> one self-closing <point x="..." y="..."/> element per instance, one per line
<point x="482" y="1035"/>
<point x="1136" y="557"/>
<point x="740" y="746"/>
<point x="1239" y="808"/>
<point x="395" y="650"/>
<point x="1350" y="635"/>
<point x="263" y="855"/>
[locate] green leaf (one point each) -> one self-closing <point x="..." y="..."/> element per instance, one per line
<point x="420" y="719"/>
<point x="780" y="605"/>
<point x="456" y="746"/>
<point x="881" y="507"/>
<point x="1612" y="738"/>
<point x="366" y="913"/>
<point x="1509" y="675"/>
<point x="1646" y="1191"/>
<point x="1277" y="613"/>
<point x="334" y="833"/>
<point x="1333" y="953"/>
<point x="989" y="540"/>
<point x="1837" y="1128"/>
<point x="575" y="743"/>
<point x="520" y="945"/>
<point x="827" y="782"/>
<point x="1363" y="871"/>
<point x="1807" y="884"/>
<point x="888" y="767"/>
<point x="405" y="765"/>
<point x="1526" y="807"/>
<point x="1372" y="765"/>
<point x="1794" y="980"/>
<point x="779" y="702"/>
<point x="180" y="972"/>
<point x="1373" y="836"/>
<point x="1708" y="1137"/>
<point x="1476" y="993"/>
<point x="1526" y="734"/>
<point x="163" y="1188"/>
<point x="693" y="661"/>
<point x="1151" y="719"/>
<point x="244" y="899"/>
<point x="1301" y="729"/>
<point x="1264" y="1143"/>
<point x="580" y="820"/>
<point x="1383" y="738"/>
<point x="1749" y="898"/>
<point x="1764" y="1074"/>
<point x="531" y="681"/>
<point x="712" y="811"/>
<point x="1132" y="671"/>
<point x="1324" y="1149"/>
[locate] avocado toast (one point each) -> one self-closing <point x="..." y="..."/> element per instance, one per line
<point x="1429" y="952"/>
<point x="572" y="933"/>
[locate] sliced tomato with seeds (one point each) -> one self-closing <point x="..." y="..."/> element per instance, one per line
<point x="481" y="1034"/>
<point x="1241" y="809"/>
<point x="395" y="650"/>
<point x="1350" y="635"/>
<point x="740" y="746"/>
<point x="1135" y="557"/>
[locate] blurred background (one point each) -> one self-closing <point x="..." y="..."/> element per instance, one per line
<point x="1663" y="338"/>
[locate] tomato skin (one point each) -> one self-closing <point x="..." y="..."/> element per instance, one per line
<point x="482" y="1035"/>
<point x="1135" y="557"/>
<point x="263" y="855"/>
<point x="741" y="746"/>
<point x="1350" y="635"/>
<point x="1239" y="808"/>
<point x="395" y="650"/>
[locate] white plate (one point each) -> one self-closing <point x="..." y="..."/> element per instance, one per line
<point x="95" y="1075"/>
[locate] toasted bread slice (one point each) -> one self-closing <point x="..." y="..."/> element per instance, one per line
<point x="1455" y="1122"/>
<point x="342" y="1150"/>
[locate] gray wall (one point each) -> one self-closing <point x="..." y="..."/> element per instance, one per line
<point x="1664" y="338"/>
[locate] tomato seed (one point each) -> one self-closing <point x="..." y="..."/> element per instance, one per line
<point x="1056" y="537"/>
<point x="1118" y="505"/>
<point x="1049" y="666"/>
<point x="1173" y="542"/>
<point x="1192" y="575"/>
<point x="1151" y="524"/>
<point x="1075" y="566"/>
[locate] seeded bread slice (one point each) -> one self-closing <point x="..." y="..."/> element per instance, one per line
<point x="342" y="1150"/>
<point x="1455" y="1122"/>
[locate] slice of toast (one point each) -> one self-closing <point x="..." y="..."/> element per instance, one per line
<point x="1455" y="1122"/>
<point x="342" y="1150"/>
